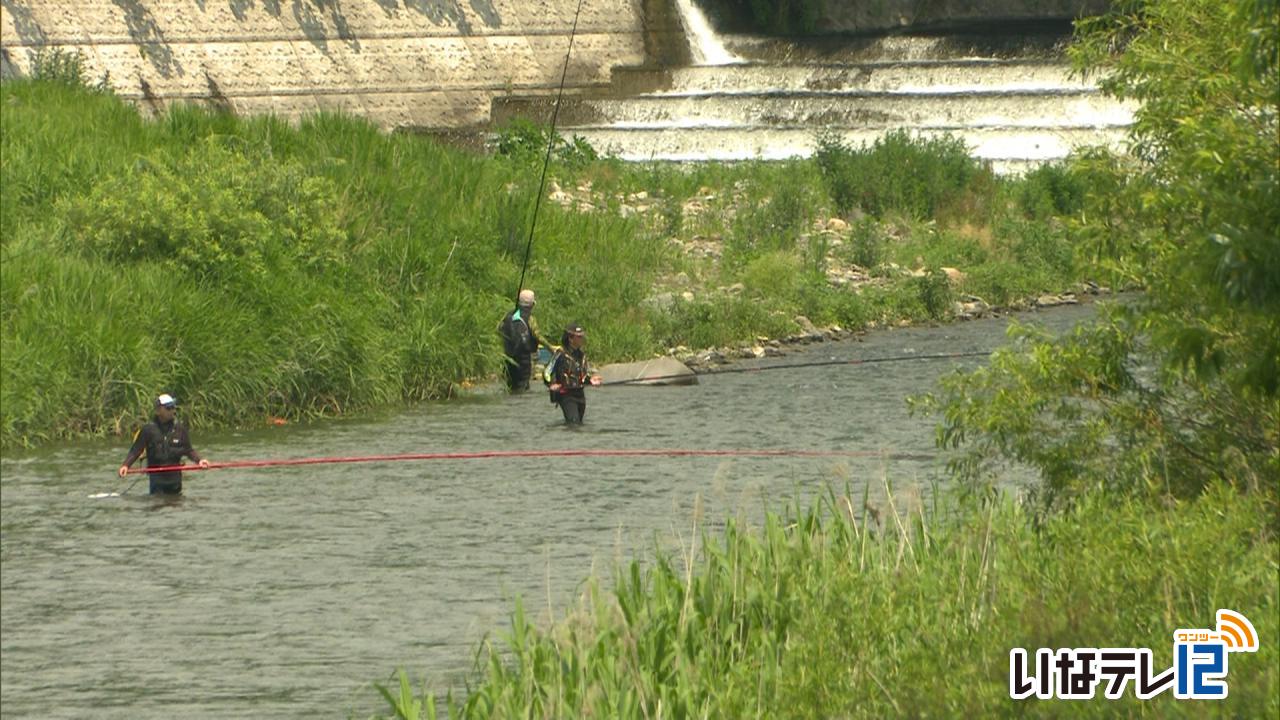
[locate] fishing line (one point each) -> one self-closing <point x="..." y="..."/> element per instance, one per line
<point x="643" y="452"/>
<point x="792" y="366"/>
<point x="551" y="139"/>
<point x="646" y="452"/>
<point x="117" y="493"/>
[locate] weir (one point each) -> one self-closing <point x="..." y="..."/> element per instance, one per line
<point x="647" y="79"/>
<point x="1012" y="98"/>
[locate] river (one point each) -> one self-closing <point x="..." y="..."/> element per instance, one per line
<point x="285" y="591"/>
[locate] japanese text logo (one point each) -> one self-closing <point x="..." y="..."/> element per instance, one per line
<point x="1199" y="669"/>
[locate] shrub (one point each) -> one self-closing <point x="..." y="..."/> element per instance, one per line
<point x="223" y="213"/>
<point x="1037" y="245"/>
<point x="1049" y="190"/>
<point x="61" y="66"/>
<point x="767" y="226"/>
<point x="868" y="244"/>
<point x="526" y="142"/>
<point x="913" y="175"/>
<point x="775" y="275"/>
<point x="934" y="289"/>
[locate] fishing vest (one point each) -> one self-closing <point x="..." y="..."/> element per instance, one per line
<point x="166" y="447"/>
<point x="571" y="371"/>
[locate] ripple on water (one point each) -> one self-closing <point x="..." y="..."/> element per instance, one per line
<point x="285" y="591"/>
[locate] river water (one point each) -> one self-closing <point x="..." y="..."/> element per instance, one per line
<point x="285" y="591"/>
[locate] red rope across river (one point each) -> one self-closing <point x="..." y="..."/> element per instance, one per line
<point x="650" y="452"/>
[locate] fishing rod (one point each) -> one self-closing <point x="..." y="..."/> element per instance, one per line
<point x="789" y="366"/>
<point x="551" y="139"/>
<point x="121" y="493"/>
<point x="642" y="452"/>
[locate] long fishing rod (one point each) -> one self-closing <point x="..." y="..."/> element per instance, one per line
<point x="790" y="366"/>
<point x="643" y="452"/>
<point x="551" y="139"/>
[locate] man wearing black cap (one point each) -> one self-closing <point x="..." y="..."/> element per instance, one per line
<point x="568" y="374"/>
<point x="165" y="442"/>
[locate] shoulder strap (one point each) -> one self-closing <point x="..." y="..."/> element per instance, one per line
<point x="549" y="372"/>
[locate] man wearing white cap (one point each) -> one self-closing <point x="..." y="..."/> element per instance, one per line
<point x="165" y="442"/>
<point x="520" y="340"/>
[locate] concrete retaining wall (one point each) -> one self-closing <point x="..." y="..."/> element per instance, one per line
<point x="401" y="63"/>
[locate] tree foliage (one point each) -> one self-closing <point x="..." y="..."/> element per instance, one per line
<point x="1181" y="386"/>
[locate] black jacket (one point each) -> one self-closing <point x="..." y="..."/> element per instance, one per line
<point x="519" y="336"/>
<point x="164" y="443"/>
<point x="569" y="368"/>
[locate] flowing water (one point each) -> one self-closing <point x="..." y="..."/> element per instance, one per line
<point x="285" y="591"/>
<point x="704" y="45"/>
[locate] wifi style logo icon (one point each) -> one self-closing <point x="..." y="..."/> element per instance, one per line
<point x="1201" y="656"/>
<point x="1237" y="632"/>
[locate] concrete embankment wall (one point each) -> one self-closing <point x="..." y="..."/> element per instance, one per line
<point x="401" y="63"/>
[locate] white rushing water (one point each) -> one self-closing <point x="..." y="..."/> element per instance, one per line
<point x="703" y="42"/>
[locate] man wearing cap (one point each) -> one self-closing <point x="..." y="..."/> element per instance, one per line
<point x="520" y="340"/>
<point x="568" y="374"/>
<point x="165" y="442"/>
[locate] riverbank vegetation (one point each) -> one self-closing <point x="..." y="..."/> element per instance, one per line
<point x="839" y="611"/>
<point x="258" y="269"/>
<point x="1155" y="432"/>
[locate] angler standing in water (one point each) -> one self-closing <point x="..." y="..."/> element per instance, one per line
<point x="165" y="442"/>
<point x="520" y="340"/>
<point x="568" y="374"/>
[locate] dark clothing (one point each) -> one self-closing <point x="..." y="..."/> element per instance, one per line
<point x="569" y="368"/>
<point x="519" y="342"/>
<point x="573" y="408"/>
<point x="165" y="443"/>
<point x="518" y="375"/>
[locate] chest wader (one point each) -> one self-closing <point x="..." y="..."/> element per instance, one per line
<point x="572" y="398"/>
<point x="517" y="339"/>
<point x="167" y="450"/>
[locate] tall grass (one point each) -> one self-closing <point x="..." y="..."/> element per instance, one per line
<point x="836" y="611"/>
<point x="256" y="268"/>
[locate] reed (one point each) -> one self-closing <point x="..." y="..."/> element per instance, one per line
<point x="846" y="610"/>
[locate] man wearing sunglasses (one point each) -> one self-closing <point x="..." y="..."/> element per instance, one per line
<point x="165" y="442"/>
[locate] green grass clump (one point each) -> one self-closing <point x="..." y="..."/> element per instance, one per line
<point x="899" y="172"/>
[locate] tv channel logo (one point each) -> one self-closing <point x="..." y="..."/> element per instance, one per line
<point x="1199" y="670"/>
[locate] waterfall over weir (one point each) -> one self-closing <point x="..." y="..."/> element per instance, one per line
<point x="704" y="45"/>
<point x="1012" y="99"/>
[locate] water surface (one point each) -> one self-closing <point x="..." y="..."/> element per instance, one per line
<point x="284" y="591"/>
